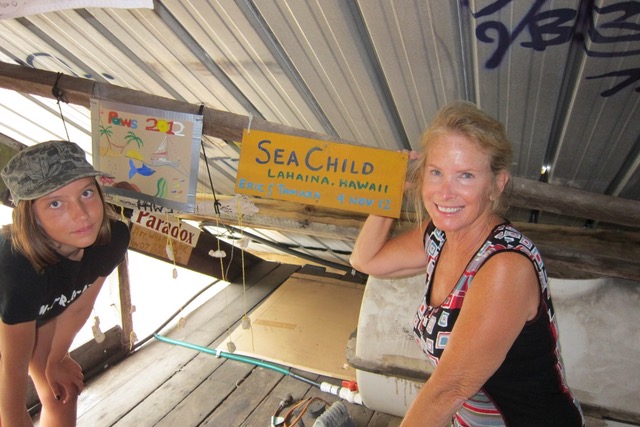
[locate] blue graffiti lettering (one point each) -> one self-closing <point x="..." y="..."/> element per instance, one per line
<point x="534" y="22"/>
<point x="606" y="28"/>
<point x="623" y="30"/>
<point x="633" y="76"/>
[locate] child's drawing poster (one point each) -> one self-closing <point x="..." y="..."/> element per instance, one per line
<point x="152" y="154"/>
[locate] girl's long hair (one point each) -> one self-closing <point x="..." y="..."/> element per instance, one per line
<point x="28" y="238"/>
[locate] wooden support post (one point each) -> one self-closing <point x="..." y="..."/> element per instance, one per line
<point x="124" y="288"/>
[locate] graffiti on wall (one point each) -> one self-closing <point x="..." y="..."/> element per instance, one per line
<point x="601" y="31"/>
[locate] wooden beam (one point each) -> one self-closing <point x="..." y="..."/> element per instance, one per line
<point x="571" y="252"/>
<point x="573" y="202"/>
<point x="217" y="123"/>
<point x="577" y="253"/>
<point x="229" y="126"/>
<point x="283" y="216"/>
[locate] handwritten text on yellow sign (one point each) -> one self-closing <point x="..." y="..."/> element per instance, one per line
<point x="328" y="174"/>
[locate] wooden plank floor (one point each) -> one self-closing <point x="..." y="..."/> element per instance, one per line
<point x="170" y="385"/>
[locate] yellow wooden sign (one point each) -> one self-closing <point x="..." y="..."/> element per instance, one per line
<point x="322" y="173"/>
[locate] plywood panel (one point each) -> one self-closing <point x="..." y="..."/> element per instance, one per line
<point x="304" y="324"/>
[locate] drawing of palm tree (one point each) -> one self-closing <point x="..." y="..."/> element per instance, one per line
<point x="132" y="137"/>
<point x="106" y="131"/>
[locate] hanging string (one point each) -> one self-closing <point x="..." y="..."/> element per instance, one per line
<point x="216" y="203"/>
<point x="242" y="247"/>
<point x="170" y="251"/>
<point x="219" y="253"/>
<point x="246" y="321"/>
<point x="59" y="95"/>
<point x="231" y="347"/>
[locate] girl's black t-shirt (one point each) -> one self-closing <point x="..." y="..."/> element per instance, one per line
<point x="26" y="295"/>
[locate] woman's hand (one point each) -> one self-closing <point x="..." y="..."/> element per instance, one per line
<point x="65" y="378"/>
<point x="414" y="156"/>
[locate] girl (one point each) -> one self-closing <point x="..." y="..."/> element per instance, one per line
<point x="54" y="259"/>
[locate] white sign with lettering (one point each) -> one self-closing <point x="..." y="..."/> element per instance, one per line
<point x="177" y="230"/>
<point x="19" y="8"/>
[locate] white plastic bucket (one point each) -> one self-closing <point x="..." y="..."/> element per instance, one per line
<point x="598" y="324"/>
<point x="387" y="359"/>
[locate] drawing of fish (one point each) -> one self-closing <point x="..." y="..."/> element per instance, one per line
<point x="143" y="170"/>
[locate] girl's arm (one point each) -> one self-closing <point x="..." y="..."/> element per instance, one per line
<point x="16" y="345"/>
<point x="63" y="376"/>
<point x="375" y="254"/>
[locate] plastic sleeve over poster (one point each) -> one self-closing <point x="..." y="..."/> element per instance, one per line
<point x="152" y="154"/>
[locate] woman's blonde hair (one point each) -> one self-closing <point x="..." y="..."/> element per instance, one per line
<point x="465" y="118"/>
<point x="28" y="238"/>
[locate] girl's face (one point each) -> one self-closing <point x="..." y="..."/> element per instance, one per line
<point x="459" y="187"/>
<point x="71" y="215"/>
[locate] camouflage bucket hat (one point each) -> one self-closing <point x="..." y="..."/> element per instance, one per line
<point x="42" y="168"/>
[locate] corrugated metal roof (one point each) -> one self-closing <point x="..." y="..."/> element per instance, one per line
<point x="563" y="75"/>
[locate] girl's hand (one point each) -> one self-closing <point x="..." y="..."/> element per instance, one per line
<point x="65" y="378"/>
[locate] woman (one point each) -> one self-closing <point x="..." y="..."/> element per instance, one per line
<point x="54" y="259"/>
<point x="486" y="321"/>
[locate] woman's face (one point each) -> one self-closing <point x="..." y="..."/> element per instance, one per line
<point x="458" y="187"/>
<point x="71" y="215"/>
